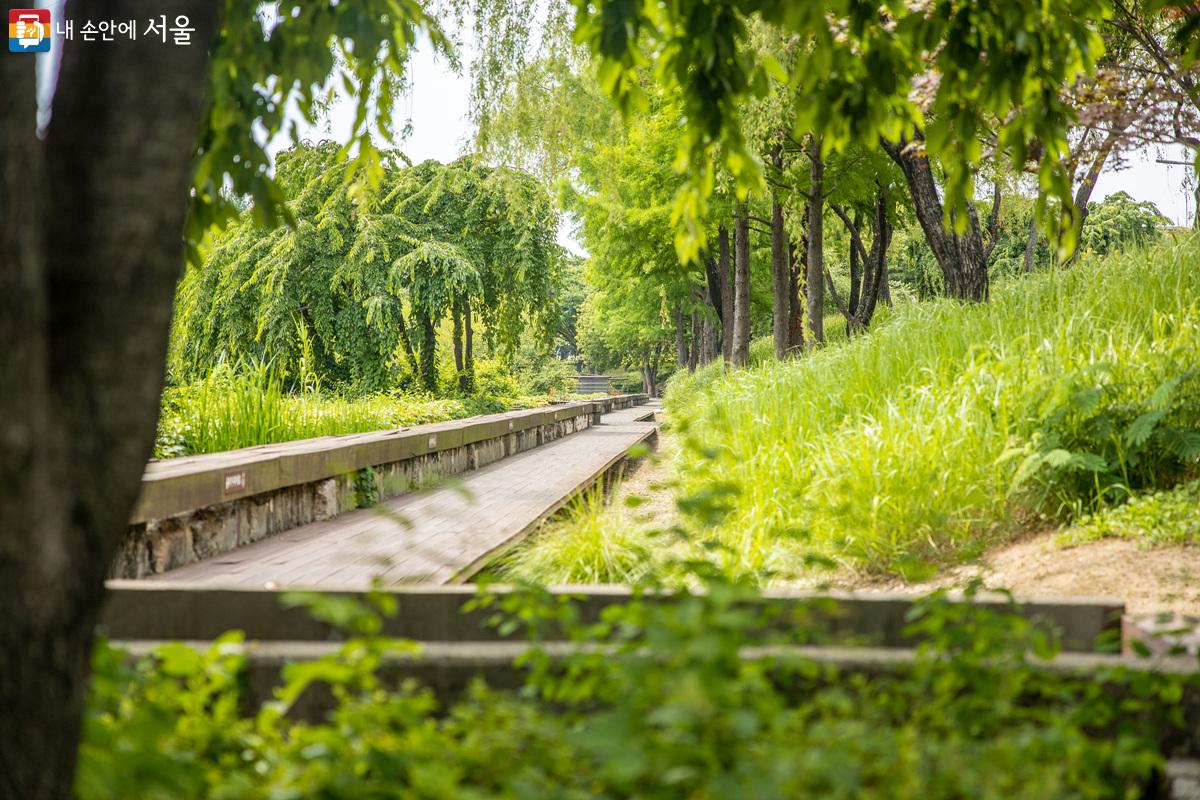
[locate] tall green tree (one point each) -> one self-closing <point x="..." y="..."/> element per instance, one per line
<point x="362" y="281"/>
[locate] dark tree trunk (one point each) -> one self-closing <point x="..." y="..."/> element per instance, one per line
<point x="427" y="351"/>
<point x="872" y="281"/>
<point x="797" y="259"/>
<point x="962" y="258"/>
<point x="741" y="288"/>
<point x="681" y="341"/>
<point x="725" y="268"/>
<point x="694" y="350"/>
<point x="855" y="271"/>
<point x="712" y="286"/>
<point x="457" y="336"/>
<point x="1031" y="243"/>
<point x="91" y="224"/>
<point x="468" y="347"/>
<point x="406" y="341"/>
<point x="1083" y="194"/>
<point x="650" y="379"/>
<point x="816" y="245"/>
<point x="781" y="307"/>
<point x="711" y="346"/>
<point x="463" y="345"/>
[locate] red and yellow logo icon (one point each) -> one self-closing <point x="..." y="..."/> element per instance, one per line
<point x="29" y="30"/>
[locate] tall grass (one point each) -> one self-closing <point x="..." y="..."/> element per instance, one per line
<point x="231" y="409"/>
<point x="950" y="426"/>
<point x="591" y="542"/>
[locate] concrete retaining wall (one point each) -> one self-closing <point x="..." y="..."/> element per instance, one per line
<point x="150" y="610"/>
<point x="200" y="506"/>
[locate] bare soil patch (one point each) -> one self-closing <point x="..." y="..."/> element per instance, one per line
<point x="1147" y="579"/>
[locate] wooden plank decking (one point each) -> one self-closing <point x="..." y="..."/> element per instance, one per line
<point x="440" y="536"/>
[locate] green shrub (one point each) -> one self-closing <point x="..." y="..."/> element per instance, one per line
<point x="673" y="706"/>
<point x="494" y="379"/>
<point x="948" y="425"/>
<point x="1159" y="518"/>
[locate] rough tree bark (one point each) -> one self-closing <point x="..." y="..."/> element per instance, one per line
<point x="961" y="257"/>
<point x="681" y="339"/>
<point x="457" y="336"/>
<point x="463" y="335"/>
<point x="427" y="351"/>
<point x="815" y="263"/>
<point x="1083" y="194"/>
<point x="469" y="345"/>
<point x="694" y="350"/>
<point x="741" y="288"/>
<point x="866" y="289"/>
<point x="1031" y="243"/>
<point x="714" y="296"/>
<point x="91" y="222"/>
<point x="781" y="307"/>
<point x="712" y="341"/>
<point x="725" y="268"/>
<point x="855" y="265"/>
<point x="650" y="374"/>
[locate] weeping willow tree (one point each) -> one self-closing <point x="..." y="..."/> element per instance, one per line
<point x="355" y="292"/>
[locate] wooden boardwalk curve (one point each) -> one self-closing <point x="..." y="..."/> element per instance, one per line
<point x="440" y="536"/>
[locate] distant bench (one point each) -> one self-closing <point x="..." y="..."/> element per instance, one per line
<point x="196" y="507"/>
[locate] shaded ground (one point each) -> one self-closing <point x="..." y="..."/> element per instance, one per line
<point x="648" y="479"/>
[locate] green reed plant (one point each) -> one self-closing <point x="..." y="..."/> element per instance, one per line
<point x="950" y="426"/>
<point x="592" y="541"/>
<point x="248" y="406"/>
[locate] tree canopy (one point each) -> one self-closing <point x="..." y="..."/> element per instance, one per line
<point x="358" y="287"/>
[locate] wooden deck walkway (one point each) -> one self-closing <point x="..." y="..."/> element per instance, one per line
<point x="441" y="536"/>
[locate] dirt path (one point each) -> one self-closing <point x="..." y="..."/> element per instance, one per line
<point x="1158" y="579"/>
<point x="649" y="479"/>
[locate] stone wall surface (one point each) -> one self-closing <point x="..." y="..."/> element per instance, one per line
<point x="201" y="506"/>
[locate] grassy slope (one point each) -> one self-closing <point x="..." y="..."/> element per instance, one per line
<point x="949" y="427"/>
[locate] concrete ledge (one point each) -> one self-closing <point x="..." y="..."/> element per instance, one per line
<point x="177" y="485"/>
<point x="199" y="506"/>
<point x="148" y="610"/>
<point x="449" y="668"/>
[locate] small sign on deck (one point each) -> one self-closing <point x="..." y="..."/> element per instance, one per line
<point x="235" y="482"/>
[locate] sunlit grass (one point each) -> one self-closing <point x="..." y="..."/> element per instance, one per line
<point x="232" y="409"/>
<point x="591" y="541"/>
<point x="920" y="442"/>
